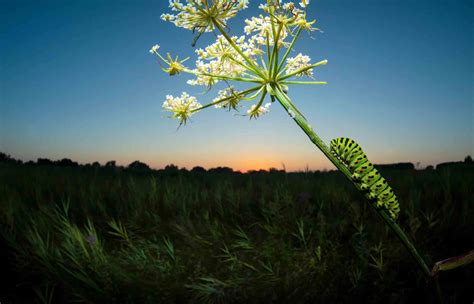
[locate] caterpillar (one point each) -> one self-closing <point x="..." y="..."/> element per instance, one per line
<point x="365" y="175"/>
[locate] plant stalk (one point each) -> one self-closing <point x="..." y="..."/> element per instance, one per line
<point x="303" y="124"/>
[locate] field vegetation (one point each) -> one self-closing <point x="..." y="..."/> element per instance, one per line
<point x="113" y="235"/>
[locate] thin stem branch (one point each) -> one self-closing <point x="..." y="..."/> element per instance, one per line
<point x="243" y="93"/>
<point x="304" y="82"/>
<point x="243" y="65"/>
<point x="276" y="51"/>
<point x="288" y="50"/>
<point x="269" y="53"/>
<point x="222" y="77"/>
<point x="322" y="62"/>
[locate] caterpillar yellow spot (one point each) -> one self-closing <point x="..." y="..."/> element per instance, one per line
<point x="364" y="175"/>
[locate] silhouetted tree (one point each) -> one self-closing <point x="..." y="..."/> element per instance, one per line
<point x="96" y="164"/>
<point x="198" y="169"/>
<point x="171" y="168"/>
<point x="137" y="165"/>
<point x="430" y="167"/>
<point x="468" y="159"/>
<point x="450" y="165"/>
<point x="111" y="164"/>
<point x="66" y="162"/>
<point x="399" y="166"/>
<point x="44" y="162"/>
<point x="4" y="158"/>
<point x="223" y="170"/>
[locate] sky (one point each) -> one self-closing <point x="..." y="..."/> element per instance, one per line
<point x="77" y="81"/>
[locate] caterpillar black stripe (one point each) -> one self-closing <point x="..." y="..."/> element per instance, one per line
<point x="365" y="175"/>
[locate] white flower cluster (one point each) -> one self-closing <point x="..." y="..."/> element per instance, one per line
<point x="198" y="15"/>
<point x="262" y="26"/>
<point x="255" y="112"/>
<point x="181" y="107"/>
<point x="299" y="62"/>
<point x="221" y="49"/>
<point x="289" y="13"/>
<point x="221" y="59"/>
<point x="230" y="97"/>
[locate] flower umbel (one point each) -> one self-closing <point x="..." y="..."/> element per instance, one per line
<point x="259" y="58"/>
<point x="181" y="107"/>
<point x="256" y="111"/>
<point x="169" y="65"/>
<point x="201" y="15"/>
<point x="298" y="63"/>
<point x="230" y="97"/>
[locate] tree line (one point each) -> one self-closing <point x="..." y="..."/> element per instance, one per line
<point x="171" y="168"/>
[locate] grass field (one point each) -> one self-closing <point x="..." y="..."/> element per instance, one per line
<point x="102" y="235"/>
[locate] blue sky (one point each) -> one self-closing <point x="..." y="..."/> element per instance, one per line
<point x="77" y="81"/>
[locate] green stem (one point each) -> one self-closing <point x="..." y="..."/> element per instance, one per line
<point x="288" y="50"/>
<point x="276" y="51"/>
<point x="303" y="124"/>
<point x="304" y="69"/>
<point x="269" y="52"/>
<point x="222" y="77"/>
<point x="304" y="82"/>
<point x="243" y="93"/>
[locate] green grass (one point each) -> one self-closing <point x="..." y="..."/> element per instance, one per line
<point x="111" y="236"/>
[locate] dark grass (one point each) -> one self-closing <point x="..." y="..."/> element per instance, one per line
<point x="115" y="236"/>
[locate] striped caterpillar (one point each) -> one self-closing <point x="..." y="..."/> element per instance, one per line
<point x="365" y="175"/>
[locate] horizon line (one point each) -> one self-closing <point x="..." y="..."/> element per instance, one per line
<point x="207" y="168"/>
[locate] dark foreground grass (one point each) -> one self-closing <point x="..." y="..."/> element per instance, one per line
<point x="115" y="236"/>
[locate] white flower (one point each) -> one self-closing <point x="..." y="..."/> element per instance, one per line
<point x="297" y="63"/>
<point x="255" y="112"/>
<point x="289" y="6"/>
<point x="243" y="4"/>
<point x="154" y="49"/>
<point x="167" y="17"/>
<point x="181" y="107"/>
<point x="304" y="3"/>
<point x="264" y="7"/>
